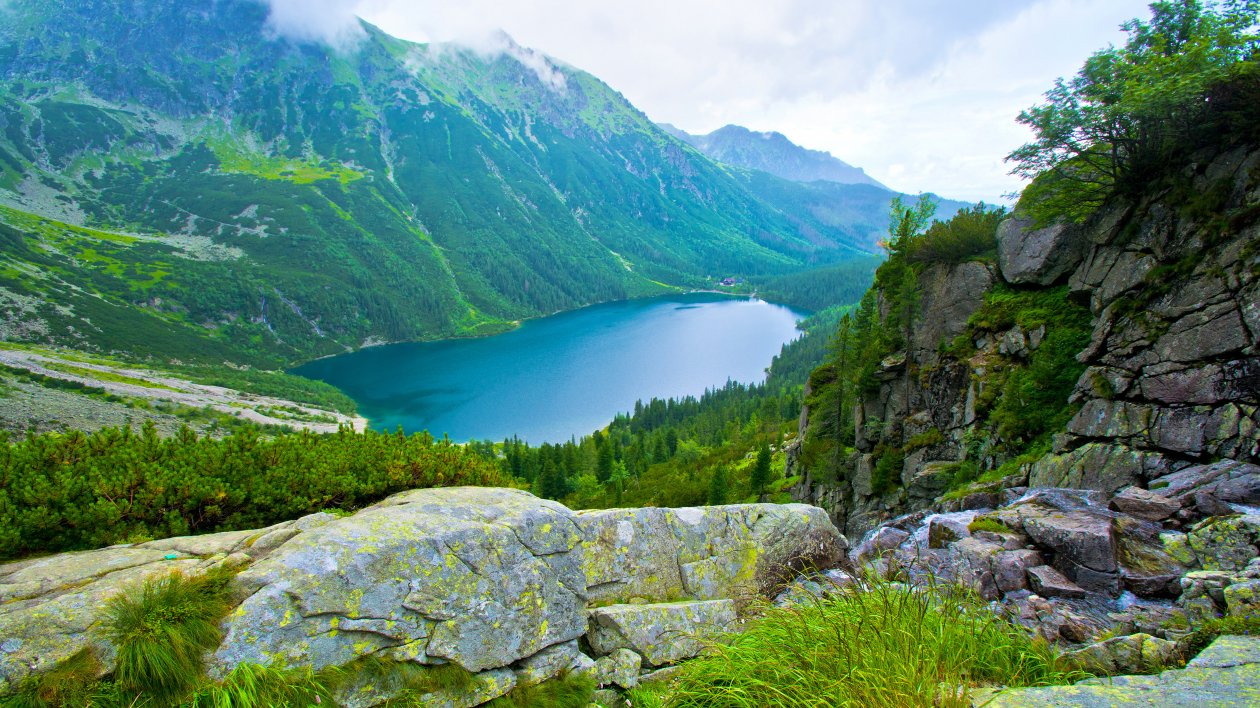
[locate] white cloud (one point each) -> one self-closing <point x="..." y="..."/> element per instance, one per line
<point x="921" y="93"/>
<point x="331" y="22"/>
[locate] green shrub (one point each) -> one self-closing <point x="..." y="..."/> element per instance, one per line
<point x="76" y="491"/>
<point x="887" y="473"/>
<point x="1213" y="628"/>
<point x="888" y="646"/>
<point x="926" y="439"/>
<point x="162" y="633"/>
<point x="971" y="233"/>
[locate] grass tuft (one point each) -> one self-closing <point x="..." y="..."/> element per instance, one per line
<point x="163" y="631"/>
<point x="68" y="685"/>
<point x="887" y="645"/>
<point x="565" y="691"/>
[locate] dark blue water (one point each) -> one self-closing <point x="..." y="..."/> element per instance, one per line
<point x="564" y="375"/>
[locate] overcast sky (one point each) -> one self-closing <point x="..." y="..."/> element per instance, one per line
<point x="921" y="93"/>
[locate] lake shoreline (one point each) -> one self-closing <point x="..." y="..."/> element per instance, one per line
<point x="557" y="376"/>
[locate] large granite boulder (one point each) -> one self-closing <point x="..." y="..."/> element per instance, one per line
<point x="1031" y="256"/>
<point x="50" y="607"/>
<point x="494" y="580"/>
<point x="702" y="552"/>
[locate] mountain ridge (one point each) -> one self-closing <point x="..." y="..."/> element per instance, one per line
<point x="184" y="184"/>
<point x="772" y="152"/>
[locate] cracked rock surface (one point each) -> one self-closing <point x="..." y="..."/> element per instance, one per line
<point x="495" y="580"/>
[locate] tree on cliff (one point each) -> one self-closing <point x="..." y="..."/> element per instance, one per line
<point x="1131" y="110"/>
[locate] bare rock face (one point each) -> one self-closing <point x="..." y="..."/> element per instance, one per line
<point x="1029" y="256"/>
<point x="951" y="293"/>
<point x="1077" y="536"/>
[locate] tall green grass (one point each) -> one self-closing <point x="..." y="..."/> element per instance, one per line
<point x="886" y="645"/>
<point x="163" y="632"/>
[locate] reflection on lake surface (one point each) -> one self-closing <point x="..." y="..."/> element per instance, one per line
<point x="564" y="375"/>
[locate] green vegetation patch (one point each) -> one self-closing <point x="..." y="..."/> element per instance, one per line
<point x="886" y="646"/>
<point x="987" y="524"/>
<point x="106" y="376"/>
<point x="78" y="491"/>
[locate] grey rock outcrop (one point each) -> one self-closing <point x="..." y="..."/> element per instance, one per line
<point x="1031" y="256"/>
<point x="660" y="633"/>
<point x="494" y="580"/>
<point x="1225" y="675"/>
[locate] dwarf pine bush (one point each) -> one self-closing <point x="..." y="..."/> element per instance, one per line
<point x="78" y="491"/>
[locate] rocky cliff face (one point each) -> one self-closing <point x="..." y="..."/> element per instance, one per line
<point x="1171" y="369"/>
<point x="494" y="580"/>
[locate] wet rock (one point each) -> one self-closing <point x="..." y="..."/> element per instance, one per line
<point x="884" y="540"/>
<point x="1011" y="569"/>
<point x="1144" y="504"/>
<point x="1088" y="579"/>
<point x="1077" y="536"/>
<point x="1048" y="582"/>
<point x="1228" y="481"/>
<point x="1009" y="541"/>
<point x="1038" y="256"/>
<point x="942" y="532"/>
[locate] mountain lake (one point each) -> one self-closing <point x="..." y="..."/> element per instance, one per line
<point x="564" y="375"/>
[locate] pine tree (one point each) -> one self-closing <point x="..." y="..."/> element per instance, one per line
<point x="605" y="462"/>
<point x="661" y="453"/>
<point x="761" y="470"/>
<point x="671" y="442"/>
<point x="718" y="486"/>
<point x="552" y="485"/>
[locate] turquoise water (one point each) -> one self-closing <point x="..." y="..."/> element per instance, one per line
<point x="564" y="375"/>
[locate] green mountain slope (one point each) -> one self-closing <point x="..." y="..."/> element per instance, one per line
<point x="180" y="182"/>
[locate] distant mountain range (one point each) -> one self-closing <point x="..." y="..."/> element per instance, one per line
<point x="176" y="180"/>
<point x="771" y="152"/>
